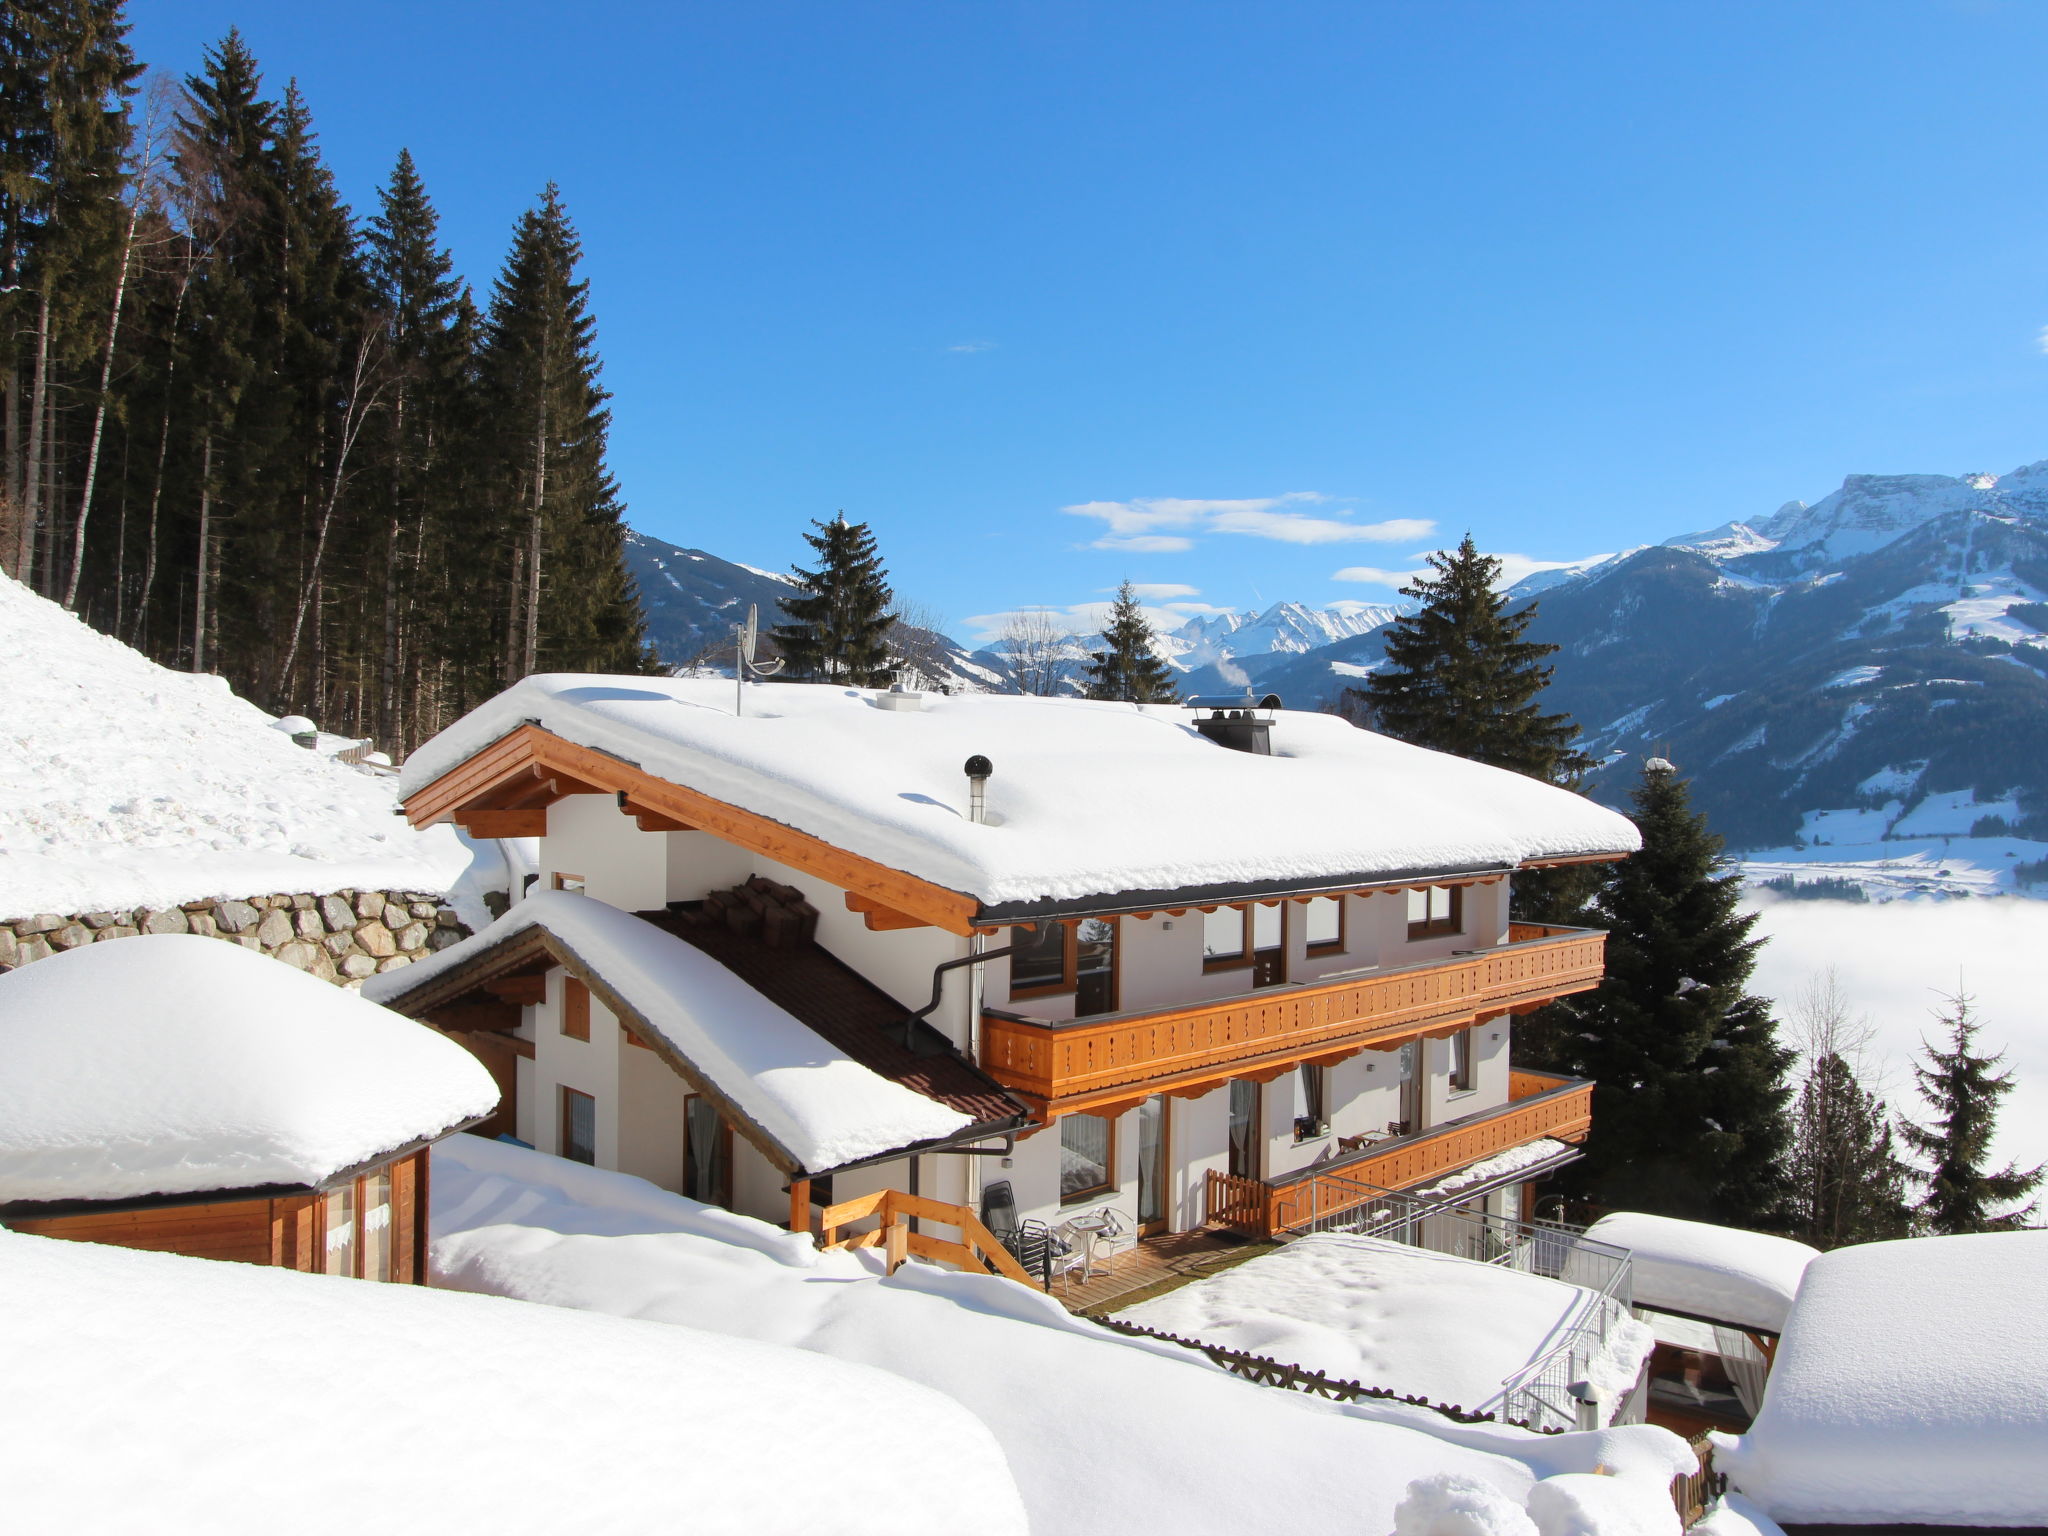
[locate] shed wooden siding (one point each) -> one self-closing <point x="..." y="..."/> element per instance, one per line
<point x="285" y="1233"/>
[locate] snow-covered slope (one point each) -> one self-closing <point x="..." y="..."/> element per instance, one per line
<point x="124" y="784"/>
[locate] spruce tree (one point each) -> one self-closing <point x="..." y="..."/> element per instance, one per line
<point x="1849" y="1185"/>
<point x="837" y="631"/>
<point x="1689" y="1108"/>
<point x="1963" y="1088"/>
<point x="1460" y="678"/>
<point x="1129" y="669"/>
<point x="567" y="602"/>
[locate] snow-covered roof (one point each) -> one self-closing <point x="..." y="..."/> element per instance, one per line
<point x="152" y="1391"/>
<point x="1105" y="1435"/>
<point x="124" y="784"/>
<point x="1694" y="1267"/>
<point x="170" y="1064"/>
<point x="1390" y="1315"/>
<point x="816" y="1102"/>
<point x="1908" y="1389"/>
<point x="1087" y="799"/>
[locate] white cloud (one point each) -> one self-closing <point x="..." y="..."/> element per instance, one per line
<point x="1374" y="576"/>
<point x="1160" y="591"/>
<point x="972" y="346"/>
<point x="1086" y="619"/>
<point x="1146" y="543"/>
<point x="2041" y="339"/>
<point x="1143" y="523"/>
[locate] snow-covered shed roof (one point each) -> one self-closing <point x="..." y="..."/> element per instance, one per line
<point x="1701" y="1270"/>
<point x="171" y="1064"/>
<point x="1105" y="1435"/>
<point x="1392" y="1315"/>
<point x="816" y="1103"/>
<point x="1088" y="800"/>
<point x="1911" y="1388"/>
<point x="152" y="1391"/>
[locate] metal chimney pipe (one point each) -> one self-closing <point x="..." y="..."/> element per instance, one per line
<point x="979" y="769"/>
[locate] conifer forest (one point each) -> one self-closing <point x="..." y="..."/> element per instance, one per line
<point x="250" y="430"/>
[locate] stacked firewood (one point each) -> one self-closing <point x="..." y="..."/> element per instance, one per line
<point x="778" y="915"/>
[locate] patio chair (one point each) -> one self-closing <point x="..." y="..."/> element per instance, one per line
<point x="999" y="1212"/>
<point x="1045" y="1252"/>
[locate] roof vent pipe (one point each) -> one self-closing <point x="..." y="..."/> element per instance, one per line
<point x="979" y="769"/>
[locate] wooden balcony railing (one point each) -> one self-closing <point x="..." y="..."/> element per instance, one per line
<point x="1539" y="1106"/>
<point x="977" y="1251"/>
<point x="1084" y="1064"/>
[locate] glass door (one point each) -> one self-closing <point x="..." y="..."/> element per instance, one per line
<point x="1269" y="944"/>
<point x="1154" y="1167"/>
<point x="1244" y="1129"/>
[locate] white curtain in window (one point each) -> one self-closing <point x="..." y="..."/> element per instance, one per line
<point x="1745" y="1365"/>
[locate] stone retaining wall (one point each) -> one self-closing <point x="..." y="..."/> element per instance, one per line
<point x="341" y="937"/>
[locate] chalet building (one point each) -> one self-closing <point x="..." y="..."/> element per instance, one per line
<point x="180" y="1094"/>
<point x="1238" y="967"/>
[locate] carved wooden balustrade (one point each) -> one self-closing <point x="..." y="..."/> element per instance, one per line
<point x="1097" y="1063"/>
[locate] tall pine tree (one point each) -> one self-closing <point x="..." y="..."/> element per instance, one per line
<point x="837" y="631"/>
<point x="1461" y="678"/>
<point x="1128" y="668"/>
<point x="1689" y="1111"/>
<point x="566" y="601"/>
<point x="1848" y="1184"/>
<point x="1962" y="1088"/>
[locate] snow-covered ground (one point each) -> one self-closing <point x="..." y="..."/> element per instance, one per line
<point x="1894" y="960"/>
<point x="185" y="1397"/>
<point x="1422" y="1324"/>
<point x="1102" y="1433"/>
<point x="124" y="784"/>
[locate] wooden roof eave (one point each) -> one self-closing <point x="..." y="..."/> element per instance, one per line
<point x="529" y="767"/>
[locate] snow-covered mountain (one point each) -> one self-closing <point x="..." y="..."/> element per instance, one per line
<point x="1870" y="671"/>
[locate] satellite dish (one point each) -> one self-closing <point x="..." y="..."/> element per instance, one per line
<point x="751" y="634"/>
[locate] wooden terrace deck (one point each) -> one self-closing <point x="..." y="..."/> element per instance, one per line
<point x="1155" y="1266"/>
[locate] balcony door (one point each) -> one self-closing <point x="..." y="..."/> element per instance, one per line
<point x="1244" y="1129"/>
<point x="1269" y="944"/>
<point x="1155" y="1169"/>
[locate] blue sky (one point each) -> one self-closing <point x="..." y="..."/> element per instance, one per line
<point x="1232" y="299"/>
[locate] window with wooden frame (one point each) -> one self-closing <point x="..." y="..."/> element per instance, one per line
<point x="1322" y="921"/>
<point x="579" y="1127"/>
<point x="1463" y="1079"/>
<point x="575" y="1009"/>
<point x="1244" y="1156"/>
<point x="1087" y="1157"/>
<point x="1078" y="957"/>
<point x="707" y="1155"/>
<point x="1436" y="910"/>
<point x="1041" y="959"/>
<point x="355" y="1225"/>
<point x="563" y="882"/>
<point x="1226" y="939"/>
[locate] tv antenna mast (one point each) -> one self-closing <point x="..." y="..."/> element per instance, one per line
<point x="745" y="637"/>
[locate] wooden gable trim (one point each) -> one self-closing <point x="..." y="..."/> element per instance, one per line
<point x="532" y="764"/>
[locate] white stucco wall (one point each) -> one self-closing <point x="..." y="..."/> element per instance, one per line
<point x="588" y="835"/>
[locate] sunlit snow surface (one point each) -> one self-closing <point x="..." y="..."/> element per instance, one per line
<point x="124" y="784"/>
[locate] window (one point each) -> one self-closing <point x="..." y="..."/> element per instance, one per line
<point x="1078" y="957"/>
<point x="1436" y="910"/>
<point x="707" y="1155"/>
<point x="562" y="882"/>
<point x="579" y="1126"/>
<point x="575" y="1009"/>
<point x="1323" y="919"/>
<point x="1225" y="942"/>
<point x="1461" y="1061"/>
<point x="1244" y="1129"/>
<point x="1087" y="1155"/>
<point x="1313" y="1121"/>
<point x="1041" y="960"/>
<point x="356" y="1236"/>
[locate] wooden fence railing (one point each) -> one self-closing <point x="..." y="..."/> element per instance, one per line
<point x="977" y="1249"/>
<point x="1075" y="1064"/>
<point x="1692" y="1492"/>
<point x="1546" y="1106"/>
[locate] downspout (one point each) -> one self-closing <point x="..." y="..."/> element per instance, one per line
<point x="939" y="991"/>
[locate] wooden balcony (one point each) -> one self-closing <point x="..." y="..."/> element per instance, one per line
<point x="1539" y="1105"/>
<point x="1113" y="1060"/>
